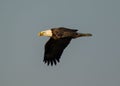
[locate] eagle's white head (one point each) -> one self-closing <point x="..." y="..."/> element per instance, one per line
<point x="45" y="33"/>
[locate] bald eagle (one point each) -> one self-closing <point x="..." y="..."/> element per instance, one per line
<point x="59" y="39"/>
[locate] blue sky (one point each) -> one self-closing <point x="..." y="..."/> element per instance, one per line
<point x="92" y="61"/>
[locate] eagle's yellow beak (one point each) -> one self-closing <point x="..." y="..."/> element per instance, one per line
<point x="40" y="33"/>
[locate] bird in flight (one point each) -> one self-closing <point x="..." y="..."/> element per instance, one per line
<point x="59" y="39"/>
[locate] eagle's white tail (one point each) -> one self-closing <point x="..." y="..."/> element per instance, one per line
<point x="83" y="35"/>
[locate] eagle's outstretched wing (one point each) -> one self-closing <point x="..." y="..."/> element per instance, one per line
<point x="54" y="49"/>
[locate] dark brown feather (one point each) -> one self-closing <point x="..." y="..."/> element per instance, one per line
<point x="54" y="49"/>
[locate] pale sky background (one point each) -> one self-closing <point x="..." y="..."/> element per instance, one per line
<point x="93" y="61"/>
